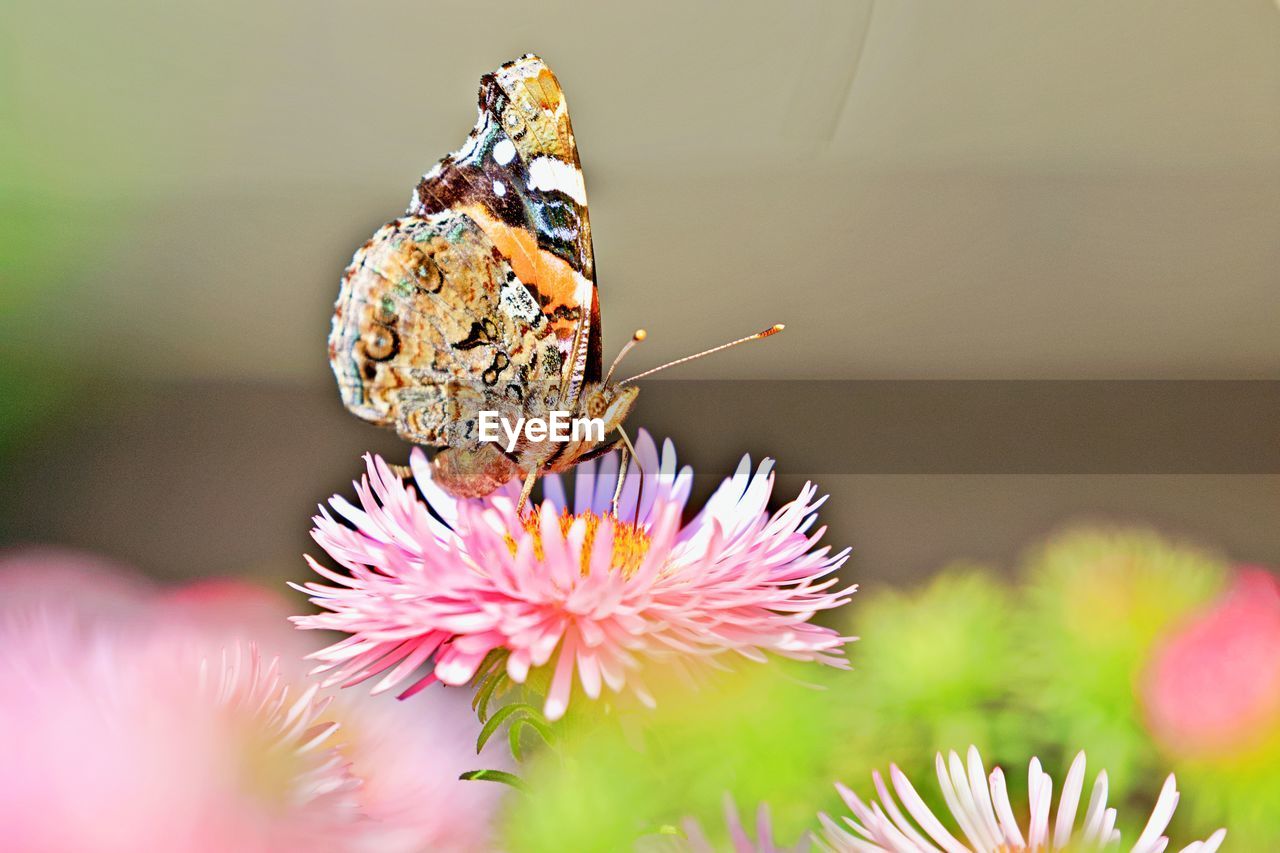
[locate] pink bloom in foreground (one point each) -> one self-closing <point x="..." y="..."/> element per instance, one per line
<point x="980" y="806"/>
<point x="445" y="581"/>
<point x="408" y="758"/>
<point x="142" y="719"/>
<point x="112" y="747"/>
<point x="37" y="576"/>
<point x="1213" y="688"/>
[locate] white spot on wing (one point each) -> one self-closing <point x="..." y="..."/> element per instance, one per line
<point x="504" y="152"/>
<point x="549" y="174"/>
<point x="582" y="289"/>
<point x="517" y="303"/>
<point x="499" y="189"/>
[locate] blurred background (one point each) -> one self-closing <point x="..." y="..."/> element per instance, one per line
<point x="995" y="191"/>
<point x="1026" y="254"/>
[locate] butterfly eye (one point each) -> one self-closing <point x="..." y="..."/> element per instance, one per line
<point x="596" y="406"/>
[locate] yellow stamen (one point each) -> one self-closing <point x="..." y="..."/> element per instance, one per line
<point x="630" y="543"/>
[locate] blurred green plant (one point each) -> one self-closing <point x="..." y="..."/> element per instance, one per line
<point x="1047" y="666"/>
<point x="761" y="733"/>
<point x="932" y="672"/>
<point x="1241" y="792"/>
<point x="45" y="248"/>
<point x="1095" y="602"/>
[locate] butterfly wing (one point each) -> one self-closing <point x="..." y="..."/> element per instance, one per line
<point x="432" y="326"/>
<point x="518" y="178"/>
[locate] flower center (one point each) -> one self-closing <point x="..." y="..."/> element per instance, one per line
<point x="630" y="543"/>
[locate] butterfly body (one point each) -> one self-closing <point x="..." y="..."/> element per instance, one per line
<point x="483" y="297"/>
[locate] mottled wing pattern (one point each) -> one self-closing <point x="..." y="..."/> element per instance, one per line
<point x="519" y="180"/>
<point x="432" y="326"/>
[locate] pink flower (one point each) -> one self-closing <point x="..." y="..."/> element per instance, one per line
<point x="980" y="806"/>
<point x="35" y="577"/>
<point x="447" y="582"/>
<point x="408" y="758"/>
<point x="1213" y="687"/>
<point x="111" y="746"/>
<point x="138" y="719"/>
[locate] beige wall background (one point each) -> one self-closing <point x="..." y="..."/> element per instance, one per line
<point x="993" y="189"/>
<point x="983" y="189"/>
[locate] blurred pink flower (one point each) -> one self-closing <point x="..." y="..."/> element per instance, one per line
<point x="448" y="581"/>
<point x="407" y="757"/>
<point x="156" y="726"/>
<point x="980" y="805"/>
<point x="45" y="575"/>
<point x="234" y="610"/>
<point x="111" y="746"/>
<point x="1213" y="686"/>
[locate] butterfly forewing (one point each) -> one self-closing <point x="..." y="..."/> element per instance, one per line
<point x="518" y="177"/>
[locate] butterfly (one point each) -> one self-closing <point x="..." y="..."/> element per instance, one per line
<point x="482" y="298"/>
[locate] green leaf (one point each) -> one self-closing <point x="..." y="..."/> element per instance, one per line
<point x="513" y="740"/>
<point x="495" y="776"/>
<point x="505" y="712"/>
<point x="517" y="728"/>
<point x="480" y="704"/>
<point x="486" y="670"/>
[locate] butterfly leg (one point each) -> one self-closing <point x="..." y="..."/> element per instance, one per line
<point x="624" y="460"/>
<point x="526" y="490"/>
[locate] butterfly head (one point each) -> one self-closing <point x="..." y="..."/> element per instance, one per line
<point x="608" y="402"/>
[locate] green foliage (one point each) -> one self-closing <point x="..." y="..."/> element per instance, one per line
<point x="48" y="249"/>
<point x="1096" y="601"/>
<point x="1241" y="793"/>
<point x="500" y="776"/>
<point x="1046" y="666"/>
<point x="931" y="673"/>
<point x="761" y="734"/>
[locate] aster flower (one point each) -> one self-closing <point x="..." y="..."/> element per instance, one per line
<point x="408" y="759"/>
<point x="460" y="584"/>
<point x="1212" y="689"/>
<point x="138" y="718"/>
<point x="121" y="744"/>
<point x="35" y="577"/>
<point x="980" y="806"/>
<point x="1211" y="697"/>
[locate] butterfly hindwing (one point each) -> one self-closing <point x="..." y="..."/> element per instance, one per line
<point x="432" y="326"/>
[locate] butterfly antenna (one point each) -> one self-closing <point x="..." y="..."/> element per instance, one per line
<point x="772" y="330"/>
<point x="639" y="336"/>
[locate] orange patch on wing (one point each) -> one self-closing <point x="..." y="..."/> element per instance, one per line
<point x="545" y="89"/>
<point x="552" y="277"/>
